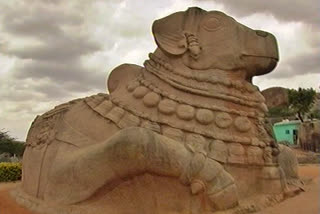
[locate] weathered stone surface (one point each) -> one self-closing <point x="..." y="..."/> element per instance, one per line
<point x="223" y="120"/>
<point x="196" y="142"/>
<point x="167" y="106"/>
<point x="185" y="112"/>
<point x="218" y="151"/>
<point x="140" y="92"/>
<point x="180" y="135"/>
<point x="236" y="153"/>
<point x="173" y="133"/>
<point x="151" y="99"/>
<point x="255" y="155"/>
<point x="204" y="116"/>
<point x="242" y="124"/>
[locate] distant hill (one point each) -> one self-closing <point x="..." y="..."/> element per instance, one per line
<point x="276" y="97"/>
<point x="277" y="101"/>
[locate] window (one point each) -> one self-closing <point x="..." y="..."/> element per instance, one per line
<point x="287" y="131"/>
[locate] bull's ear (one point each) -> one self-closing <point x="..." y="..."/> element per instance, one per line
<point x="169" y="35"/>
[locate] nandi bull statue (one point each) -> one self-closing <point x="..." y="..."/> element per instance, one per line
<point x="183" y="134"/>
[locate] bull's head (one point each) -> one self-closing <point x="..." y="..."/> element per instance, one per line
<point x="212" y="40"/>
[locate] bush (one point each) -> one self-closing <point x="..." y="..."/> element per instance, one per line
<point x="10" y="172"/>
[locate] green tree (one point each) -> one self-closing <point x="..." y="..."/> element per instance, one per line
<point x="10" y="145"/>
<point x="280" y="111"/>
<point x="301" y="101"/>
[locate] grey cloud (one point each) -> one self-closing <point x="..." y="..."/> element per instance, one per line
<point x="20" y="25"/>
<point x="63" y="49"/>
<point x="286" y="10"/>
<point x="52" y="91"/>
<point x="62" y="42"/>
<point x="38" y="21"/>
<point x="61" y="73"/>
<point x="55" y="31"/>
<point x="21" y="107"/>
<point x="306" y="63"/>
<point x="32" y="91"/>
<point x="19" y="95"/>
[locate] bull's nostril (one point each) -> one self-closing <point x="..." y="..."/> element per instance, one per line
<point x="261" y="33"/>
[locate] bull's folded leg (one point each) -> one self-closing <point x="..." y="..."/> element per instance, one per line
<point x="132" y="152"/>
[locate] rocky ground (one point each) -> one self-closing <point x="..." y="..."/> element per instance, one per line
<point x="7" y="204"/>
<point x="305" y="157"/>
<point x="306" y="202"/>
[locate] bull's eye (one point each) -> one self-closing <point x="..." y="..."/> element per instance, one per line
<point x="211" y="24"/>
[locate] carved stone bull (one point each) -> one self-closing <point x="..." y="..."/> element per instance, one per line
<point x="183" y="134"/>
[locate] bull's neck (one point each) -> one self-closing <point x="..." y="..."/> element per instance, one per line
<point x="210" y="83"/>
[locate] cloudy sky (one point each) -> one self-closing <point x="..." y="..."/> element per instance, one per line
<point x="52" y="51"/>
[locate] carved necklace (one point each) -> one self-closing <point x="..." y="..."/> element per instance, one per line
<point x="164" y="71"/>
